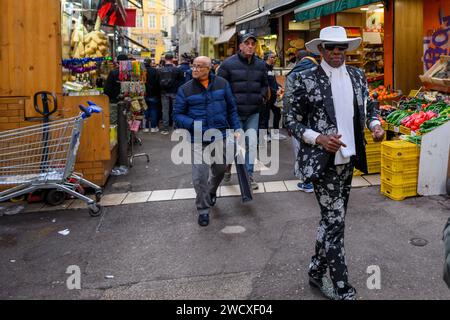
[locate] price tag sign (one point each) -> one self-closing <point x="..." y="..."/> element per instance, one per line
<point x="396" y="129"/>
<point x="413" y="133"/>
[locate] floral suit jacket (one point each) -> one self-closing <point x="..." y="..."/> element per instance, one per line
<point x="309" y="105"/>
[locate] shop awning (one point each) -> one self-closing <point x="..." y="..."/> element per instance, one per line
<point x="135" y="42"/>
<point x="313" y="9"/>
<point x="226" y="35"/>
<point x="261" y="21"/>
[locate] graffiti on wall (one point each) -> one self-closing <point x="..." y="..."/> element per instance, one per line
<point x="437" y="44"/>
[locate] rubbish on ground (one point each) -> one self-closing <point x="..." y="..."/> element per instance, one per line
<point x="64" y="232"/>
<point x="12" y="261"/>
<point x="119" y="171"/>
<point x="109" y="277"/>
<point x="54" y="220"/>
<point x="11" y="211"/>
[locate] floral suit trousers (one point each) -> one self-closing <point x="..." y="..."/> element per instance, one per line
<point x="332" y="192"/>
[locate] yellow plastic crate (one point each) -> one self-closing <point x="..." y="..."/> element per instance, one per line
<point x="400" y="149"/>
<point x="373" y="147"/>
<point x="373" y="165"/>
<point x="399" y="178"/>
<point x="399" y="165"/>
<point x="398" y="192"/>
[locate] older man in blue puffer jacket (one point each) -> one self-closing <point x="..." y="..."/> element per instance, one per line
<point x="205" y="100"/>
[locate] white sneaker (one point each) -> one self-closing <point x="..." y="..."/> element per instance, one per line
<point x="153" y="130"/>
<point x="278" y="136"/>
<point x="146" y="130"/>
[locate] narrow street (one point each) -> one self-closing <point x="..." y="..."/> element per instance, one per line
<point x="260" y="250"/>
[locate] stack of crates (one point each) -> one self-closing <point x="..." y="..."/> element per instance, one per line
<point x="373" y="153"/>
<point x="399" y="169"/>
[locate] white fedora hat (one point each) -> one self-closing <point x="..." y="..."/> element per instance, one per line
<point x="333" y="34"/>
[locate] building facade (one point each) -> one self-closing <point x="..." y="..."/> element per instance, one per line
<point x="198" y="24"/>
<point x="154" y="22"/>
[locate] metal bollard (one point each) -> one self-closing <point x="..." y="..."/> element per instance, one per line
<point x="122" y="131"/>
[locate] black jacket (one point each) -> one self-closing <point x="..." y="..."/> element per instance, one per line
<point x="248" y="82"/>
<point x="311" y="106"/>
<point x="152" y="85"/>
<point x="273" y="84"/>
<point x="172" y="74"/>
<point x="112" y="86"/>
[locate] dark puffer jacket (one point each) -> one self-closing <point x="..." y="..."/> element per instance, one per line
<point x="214" y="107"/>
<point x="248" y="82"/>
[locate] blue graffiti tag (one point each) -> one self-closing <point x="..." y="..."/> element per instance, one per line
<point x="438" y="45"/>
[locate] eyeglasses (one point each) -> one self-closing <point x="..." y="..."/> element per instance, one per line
<point x="332" y="46"/>
<point x="198" y="67"/>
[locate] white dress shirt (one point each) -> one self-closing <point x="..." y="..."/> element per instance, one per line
<point x="343" y="99"/>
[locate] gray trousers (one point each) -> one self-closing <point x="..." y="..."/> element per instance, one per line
<point x="206" y="177"/>
<point x="167" y="99"/>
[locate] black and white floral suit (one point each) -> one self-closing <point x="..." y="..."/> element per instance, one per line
<point x="311" y="106"/>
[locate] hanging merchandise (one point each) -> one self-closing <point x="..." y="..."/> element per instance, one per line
<point x="132" y="88"/>
<point x="132" y="71"/>
<point x="77" y="41"/>
<point x="96" y="42"/>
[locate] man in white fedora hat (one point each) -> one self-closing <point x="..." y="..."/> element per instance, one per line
<point x="330" y="107"/>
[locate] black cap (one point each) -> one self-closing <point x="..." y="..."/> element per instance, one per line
<point x="215" y="61"/>
<point x="247" y="36"/>
<point x="168" y="56"/>
<point x="122" y="57"/>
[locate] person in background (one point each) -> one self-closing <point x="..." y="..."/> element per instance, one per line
<point x="170" y="79"/>
<point x="275" y="89"/>
<point x="152" y="99"/>
<point x="329" y="108"/>
<point x="291" y="61"/>
<point x="112" y="84"/>
<point x="112" y="88"/>
<point x="185" y="66"/>
<point x="219" y="112"/>
<point x="215" y="65"/>
<point x="247" y="75"/>
<point x="306" y="61"/>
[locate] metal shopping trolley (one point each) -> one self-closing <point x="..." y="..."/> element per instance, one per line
<point x="43" y="157"/>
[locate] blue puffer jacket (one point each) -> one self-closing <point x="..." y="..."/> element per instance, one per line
<point x="215" y="106"/>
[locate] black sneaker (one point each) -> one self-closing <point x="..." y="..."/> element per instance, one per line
<point x="203" y="219"/>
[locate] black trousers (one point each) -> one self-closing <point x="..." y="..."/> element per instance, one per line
<point x="265" y="114"/>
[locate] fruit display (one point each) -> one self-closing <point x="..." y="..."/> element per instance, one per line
<point x="382" y="93"/>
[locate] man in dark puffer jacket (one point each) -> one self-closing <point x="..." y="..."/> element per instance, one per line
<point x="247" y="75"/>
<point x="206" y="100"/>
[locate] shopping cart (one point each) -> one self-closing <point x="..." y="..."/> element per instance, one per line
<point x="43" y="157"/>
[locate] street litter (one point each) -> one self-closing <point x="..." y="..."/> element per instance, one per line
<point x="12" y="210"/>
<point x="54" y="220"/>
<point x="64" y="232"/>
<point x="119" y="171"/>
<point x="109" y="277"/>
<point x="12" y="261"/>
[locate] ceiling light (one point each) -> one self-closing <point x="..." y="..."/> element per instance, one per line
<point x="380" y="5"/>
<point x="364" y="9"/>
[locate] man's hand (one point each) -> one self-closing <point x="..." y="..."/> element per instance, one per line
<point x="330" y="143"/>
<point x="237" y="135"/>
<point x="378" y="133"/>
